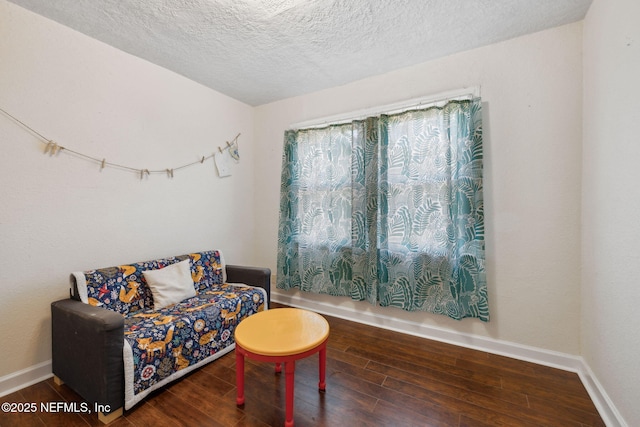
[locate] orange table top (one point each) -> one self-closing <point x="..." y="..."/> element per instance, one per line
<point x="282" y="332"/>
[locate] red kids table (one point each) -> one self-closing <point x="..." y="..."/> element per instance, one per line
<point x="281" y="335"/>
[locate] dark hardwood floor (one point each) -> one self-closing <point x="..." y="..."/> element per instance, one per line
<point x="375" y="377"/>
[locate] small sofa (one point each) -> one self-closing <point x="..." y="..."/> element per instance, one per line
<point x="130" y="329"/>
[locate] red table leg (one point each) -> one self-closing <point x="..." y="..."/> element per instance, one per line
<point x="240" y="377"/>
<point x="289" y="369"/>
<point x="322" y="385"/>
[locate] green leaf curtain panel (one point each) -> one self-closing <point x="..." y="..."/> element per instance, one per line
<point x="389" y="210"/>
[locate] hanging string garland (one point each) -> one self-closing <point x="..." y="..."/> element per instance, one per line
<point x="52" y="148"/>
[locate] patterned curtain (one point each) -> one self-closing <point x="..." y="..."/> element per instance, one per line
<point x="388" y="210"/>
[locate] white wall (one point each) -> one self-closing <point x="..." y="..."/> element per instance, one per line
<point x="611" y="201"/>
<point x="532" y="93"/>
<point x="61" y="214"/>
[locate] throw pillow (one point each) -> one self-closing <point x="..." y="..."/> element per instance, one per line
<point x="171" y="284"/>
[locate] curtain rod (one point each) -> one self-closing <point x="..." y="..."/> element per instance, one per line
<point x="410" y="104"/>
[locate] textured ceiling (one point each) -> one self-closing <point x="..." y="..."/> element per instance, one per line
<point x="259" y="51"/>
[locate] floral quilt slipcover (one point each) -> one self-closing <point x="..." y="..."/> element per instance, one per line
<point x="163" y="345"/>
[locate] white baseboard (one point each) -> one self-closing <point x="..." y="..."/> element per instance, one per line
<point x="606" y="408"/>
<point x="25" y="377"/>
<point x="553" y="359"/>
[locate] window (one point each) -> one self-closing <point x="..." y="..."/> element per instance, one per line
<point x="388" y="209"/>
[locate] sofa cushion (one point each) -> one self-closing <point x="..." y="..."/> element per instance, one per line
<point x="171" y="284"/>
<point x="124" y="289"/>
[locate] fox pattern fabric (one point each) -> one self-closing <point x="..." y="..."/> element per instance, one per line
<point x="164" y="342"/>
<point x="123" y="288"/>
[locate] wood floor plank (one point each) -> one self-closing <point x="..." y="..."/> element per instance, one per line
<point x="411" y="346"/>
<point x="417" y="365"/>
<point x="450" y="385"/>
<point x="549" y="392"/>
<point x="223" y="371"/>
<point x="16" y="415"/>
<point x="20" y="419"/>
<point x="203" y="382"/>
<point x="425" y="407"/>
<point x="146" y="414"/>
<point x="481" y="417"/>
<point x="497" y="370"/>
<point x="52" y="409"/>
<point x="471" y="402"/>
<point x="343" y="356"/>
<point x="503" y="363"/>
<point x="334" y="366"/>
<point x="389" y="414"/>
<point x="405" y="341"/>
<point x="329" y="415"/>
<point x="565" y="412"/>
<point x="209" y="400"/>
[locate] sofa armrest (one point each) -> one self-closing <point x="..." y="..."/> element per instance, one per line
<point x="253" y="276"/>
<point x="87" y="344"/>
